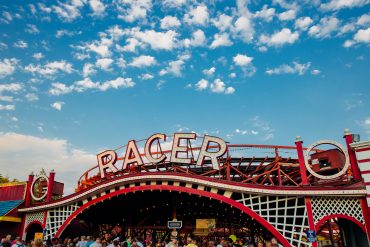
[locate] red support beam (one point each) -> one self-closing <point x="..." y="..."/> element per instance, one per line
<point x="352" y="156"/>
<point x="302" y="166"/>
<point x="50" y="186"/>
<point x="28" y="190"/>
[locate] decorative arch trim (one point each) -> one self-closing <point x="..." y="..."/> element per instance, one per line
<point x="31" y="223"/>
<point x="221" y="198"/>
<point x="343" y="216"/>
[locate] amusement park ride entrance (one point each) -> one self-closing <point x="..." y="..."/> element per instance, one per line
<point x="251" y="190"/>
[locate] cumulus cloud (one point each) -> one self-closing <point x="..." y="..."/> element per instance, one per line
<point x="285" y="36"/>
<point x="38" y="56"/>
<point x="287" y="15"/>
<point x="221" y="40"/>
<point x="361" y="36"/>
<point x="133" y="10"/>
<point x="20" y="44"/>
<point x="7" y="107"/>
<point x="325" y="28"/>
<point x="198" y="39"/>
<point x="294" y="68"/>
<point x="57" y="105"/>
<point x="104" y="63"/>
<point x="67" y="11"/>
<point x="31" y="97"/>
<point x="146" y="76"/>
<point x="209" y="72"/>
<point x="265" y="13"/>
<point x="242" y="60"/>
<point x="223" y="22"/>
<point x="169" y="22"/>
<point x="50" y="69"/>
<point x="88" y="70"/>
<point x="143" y="61"/>
<point x="303" y="23"/>
<point x="197" y="16"/>
<point x="175" y="67"/>
<point x="243" y="29"/>
<point x="63" y="32"/>
<point x="59" y="88"/>
<point x="340" y="4"/>
<point x="97" y="7"/>
<point x="10" y="87"/>
<point x="217" y="86"/>
<point x="68" y="163"/>
<point x="32" y="29"/>
<point x="156" y="40"/>
<point x="7" y="66"/>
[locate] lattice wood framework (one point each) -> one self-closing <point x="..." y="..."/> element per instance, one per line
<point x="287" y="214"/>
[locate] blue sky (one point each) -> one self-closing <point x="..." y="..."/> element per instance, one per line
<point x="80" y="76"/>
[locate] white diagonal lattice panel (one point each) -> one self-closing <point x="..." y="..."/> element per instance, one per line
<point x="56" y="217"/>
<point x="38" y="216"/>
<point x="287" y="214"/>
<point x="324" y="206"/>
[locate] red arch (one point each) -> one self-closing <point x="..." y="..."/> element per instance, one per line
<point x="343" y="216"/>
<point x="222" y="198"/>
<point x="31" y="223"/>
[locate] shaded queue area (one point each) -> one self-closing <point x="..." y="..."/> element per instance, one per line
<point x="145" y="215"/>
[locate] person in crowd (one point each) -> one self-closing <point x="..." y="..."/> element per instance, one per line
<point x="173" y="242"/>
<point x="127" y="242"/>
<point x="260" y="244"/>
<point x="268" y="244"/>
<point x="37" y="243"/>
<point x="97" y="243"/>
<point x="18" y="242"/>
<point x="274" y="242"/>
<point x="6" y="242"/>
<point x="89" y="241"/>
<point x="82" y="242"/>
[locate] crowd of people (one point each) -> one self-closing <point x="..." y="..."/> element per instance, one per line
<point x="108" y="241"/>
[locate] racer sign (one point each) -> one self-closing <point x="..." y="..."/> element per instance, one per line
<point x="132" y="156"/>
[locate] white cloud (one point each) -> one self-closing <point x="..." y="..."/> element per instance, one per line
<point x="223" y="22"/>
<point x="362" y="36"/>
<point x="198" y="39"/>
<point x="6" y="98"/>
<point x="340" y="4"/>
<point x="326" y="27"/>
<point x="242" y="60"/>
<point x="197" y="16"/>
<point x="241" y="132"/>
<point x="20" y="44"/>
<point x="85" y="84"/>
<point x="143" y="61"/>
<point x="7" y="66"/>
<point x="303" y="23"/>
<point x="173" y="3"/>
<point x="175" y="67"/>
<point x="202" y="85"/>
<point x="132" y="10"/>
<point x="364" y="20"/>
<point x="60" y="88"/>
<point x="218" y="86"/>
<point x="232" y="75"/>
<point x="295" y="68"/>
<point x="3" y="46"/>
<point x="68" y="11"/>
<point x="51" y="68"/>
<point x="10" y="87"/>
<point x="157" y="40"/>
<point x="31" y="97"/>
<point x="131" y="45"/>
<point x="221" y="40"/>
<point x="285" y="36"/>
<point x="7" y="107"/>
<point x="88" y="69"/>
<point x="97" y="7"/>
<point x="287" y="15"/>
<point x="7" y="17"/>
<point x="57" y="105"/>
<point x="32" y="29"/>
<point x="315" y="72"/>
<point x="170" y="21"/>
<point x="104" y="63"/>
<point x="243" y="29"/>
<point x="146" y="76"/>
<point x="209" y="72"/>
<point x="262" y="127"/>
<point x="69" y="164"/>
<point x="14" y="119"/>
<point x="38" y="56"/>
<point x="63" y="32"/>
<point x="265" y="13"/>
<point x="117" y="83"/>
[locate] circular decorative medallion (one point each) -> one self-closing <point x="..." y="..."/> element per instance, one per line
<point x="340" y="147"/>
<point x="37" y="192"/>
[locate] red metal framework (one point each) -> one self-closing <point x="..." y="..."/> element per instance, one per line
<point x="267" y="165"/>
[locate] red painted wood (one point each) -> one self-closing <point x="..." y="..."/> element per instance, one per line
<point x="230" y="201"/>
